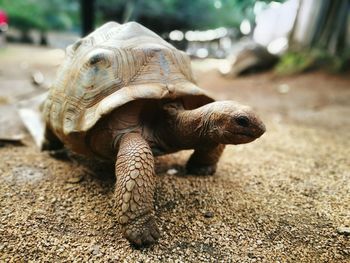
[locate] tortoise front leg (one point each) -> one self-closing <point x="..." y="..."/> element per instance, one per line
<point x="135" y="190"/>
<point x="204" y="159"/>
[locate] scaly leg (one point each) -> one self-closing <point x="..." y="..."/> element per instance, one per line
<point x="204" y="160"/>
<point x="135" y="189"/>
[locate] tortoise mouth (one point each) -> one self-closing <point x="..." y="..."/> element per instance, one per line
<point x="238" y="138"/>
<point x="249" y="135"/>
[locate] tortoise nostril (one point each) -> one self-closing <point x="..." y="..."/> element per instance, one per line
<point x="242" y="121"/>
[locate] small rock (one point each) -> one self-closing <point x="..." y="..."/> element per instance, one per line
<point x="172" y="171"/>
<point x="343" y="230"/>
<point x="283" y="88"/>
<point x="38" y="78"/>
<point x="41" y="198"/>
<point x="75" y="179"/>
<point x="95" y="250"/>
<point x="208" y="214"/>
<point x="39" y="213"/>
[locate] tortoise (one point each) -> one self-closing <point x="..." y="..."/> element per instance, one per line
<point x="125" y="94"/>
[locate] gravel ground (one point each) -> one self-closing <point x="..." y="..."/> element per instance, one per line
<point x="282" y="198"/>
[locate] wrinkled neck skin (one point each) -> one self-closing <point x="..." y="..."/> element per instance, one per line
<point x="221" y="122"/>
<point x="187" y="129"/>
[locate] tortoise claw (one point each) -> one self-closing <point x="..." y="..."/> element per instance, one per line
<point x="142" y="232"/>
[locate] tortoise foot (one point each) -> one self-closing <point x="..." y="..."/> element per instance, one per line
<point x="142" y="232"/>
<point x="201" y="170"/>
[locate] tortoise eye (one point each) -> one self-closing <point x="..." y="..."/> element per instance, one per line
<point x="242" y="121"/>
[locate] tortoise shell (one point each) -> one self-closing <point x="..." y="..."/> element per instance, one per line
<point x="110" y="67"/>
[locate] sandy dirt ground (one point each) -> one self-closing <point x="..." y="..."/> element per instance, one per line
<point x="282" y="198"/>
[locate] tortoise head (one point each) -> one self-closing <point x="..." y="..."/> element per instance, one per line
<point x="229" y="122"/>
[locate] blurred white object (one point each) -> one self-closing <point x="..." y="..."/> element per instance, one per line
<point x="38" y="78"/>
<point x="176" y="35"/>
<point x="225" y="66"/>
<point x="217" y="4"/>
<point x="245" y="27"/>
<point x="172" y="171"/>
<point x="283" y="88"/>
<point x="202" y="36"/>
<point x="278" y="46"/>
<point x="202" y="53"/>
<point x="308" y="17"/>
<point x="275" y="22"/>
<point x="11" y="126"/>
<point x="30" y="113"/>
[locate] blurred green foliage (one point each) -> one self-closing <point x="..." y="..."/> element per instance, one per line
<point x="159" y="15"/>
<point x="43" y="15"/>
<point x="326" y="41"/>
<point x="294" y="62"/>
<point x="166" y="15"/>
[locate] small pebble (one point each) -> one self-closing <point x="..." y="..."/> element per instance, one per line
<point x="208" y="214"/>
<point x="95" y="250"/>
<point x="344" y="230"/>
<point x="75" y="179"/>
<point x="172" y="171"/>
<point x="283" y="88"/>
<point x="38" y="78"/>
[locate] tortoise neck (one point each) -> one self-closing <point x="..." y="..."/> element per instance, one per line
<point x="187" y="129"/>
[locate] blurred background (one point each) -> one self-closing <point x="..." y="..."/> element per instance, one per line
<point x="300" y="34"/>
<point x="240" y="49"/>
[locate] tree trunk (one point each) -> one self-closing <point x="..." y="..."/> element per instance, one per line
<point x="322" y="24"/>
<point x="87" y="16"/>
<point x="43" y="38"/>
